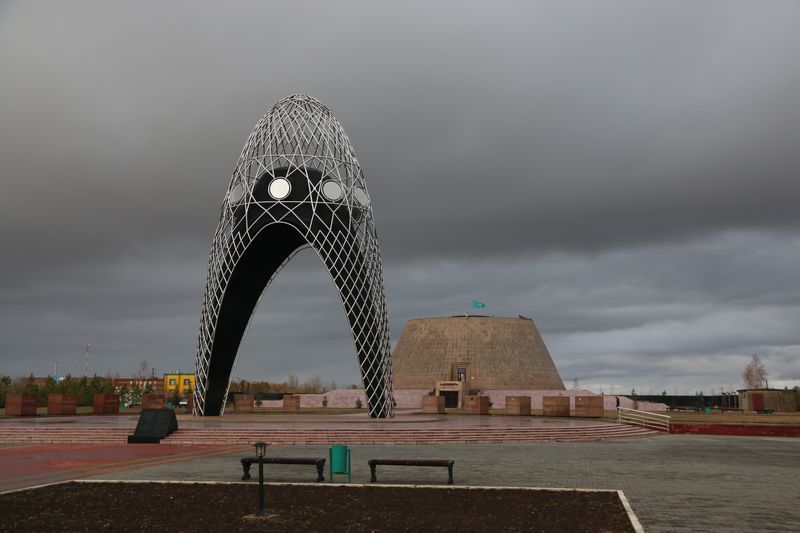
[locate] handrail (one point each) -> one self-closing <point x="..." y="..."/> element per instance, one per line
<point x="645" y="419"/>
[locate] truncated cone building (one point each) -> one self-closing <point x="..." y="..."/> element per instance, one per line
<point x="472" y="353"/>
<point x="297" y="184"/>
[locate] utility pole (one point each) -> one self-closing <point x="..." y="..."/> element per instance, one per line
<point x="86" y="362"/>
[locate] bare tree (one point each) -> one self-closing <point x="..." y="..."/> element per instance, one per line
<point x="143" y="368"/>
<point x="754" y="375"/>
<point x="314" y="385"/>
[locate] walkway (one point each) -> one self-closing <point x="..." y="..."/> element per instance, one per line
<point x="320" y="429"/>
<point x="674" y="482"/>
<point x="29" y="466"/>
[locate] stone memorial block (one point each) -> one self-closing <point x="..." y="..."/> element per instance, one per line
<point x="61" y="404"/>
<point x="433" y="404"/>
<point x="518" y="405"/>
<point x="21" y="405"/>
<point x="105" y="404"/>
<point x="555" y="406"/>
<point x="153" y="401"/>
<point x="476" y="405"/>
<point x="589" y="406"/>
<point x="243" y="403"/>
<point x="154" y="425"/>
<point x="291" y="403"/>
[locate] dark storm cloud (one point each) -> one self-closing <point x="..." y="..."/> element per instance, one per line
<point x="627" y="173"/>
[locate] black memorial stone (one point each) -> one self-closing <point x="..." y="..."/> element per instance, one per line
<point x="154" y="425"/>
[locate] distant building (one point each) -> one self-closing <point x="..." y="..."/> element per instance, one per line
<point x="778" y="400"/>
<point x="179" y="384"/>
<point x="459" y="355"/>
<point x="153" y="384"/>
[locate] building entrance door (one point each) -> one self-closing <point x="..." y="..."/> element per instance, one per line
<point x="758" y="402"/>
<point x="450" y="398"/>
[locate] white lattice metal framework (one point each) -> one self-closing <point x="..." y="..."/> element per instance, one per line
<point x="297" y="184"/>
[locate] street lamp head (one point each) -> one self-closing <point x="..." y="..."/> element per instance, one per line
<point x="261" y="449"/>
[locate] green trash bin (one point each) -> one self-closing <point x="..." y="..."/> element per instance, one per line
<point x="708" y="410"/>
<point x="339" y="461"/>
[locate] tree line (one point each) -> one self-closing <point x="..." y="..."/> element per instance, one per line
<point x="83" y="388"/>
<point x="314" y="385"/>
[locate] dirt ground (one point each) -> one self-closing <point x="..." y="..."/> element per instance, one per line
<point x="217" y="507"/>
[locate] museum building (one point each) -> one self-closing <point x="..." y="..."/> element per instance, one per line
<point x="461" y="355"/>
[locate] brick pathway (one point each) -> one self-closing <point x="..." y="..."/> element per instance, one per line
<point x="28" y="466"/>
<point x="311" y="429"/>
<point x="675" y="483"/>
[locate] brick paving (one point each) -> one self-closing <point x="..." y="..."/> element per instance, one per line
<point x="311" y="429"/>
<point x="28" y="466"/>
<point x="674" y="483"/>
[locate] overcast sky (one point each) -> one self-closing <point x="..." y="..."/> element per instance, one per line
<point x="627" y="173"/>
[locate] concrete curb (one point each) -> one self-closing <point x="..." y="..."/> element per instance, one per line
<point x="637" y="526"/>
<point x="37" y="486"/>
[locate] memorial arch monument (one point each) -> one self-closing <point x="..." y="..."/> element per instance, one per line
<point x="297" y="184"/>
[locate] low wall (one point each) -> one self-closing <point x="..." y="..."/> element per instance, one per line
<point x="291" y="403"/>
<point x="476" y="405"/>
<point x="412" y="399"/>
<point x="61" y="404"/>
<point x="736" y="429"/>
<point x="346" y="399"/>
<point x="245" y="403"/>
<point x="498" y="398"/>
<point x="105" y="404"/>
<point x="153" y="401"/>
<point x="518" y="405"/>
<point x="589" y="406"/>
<point x="433" y="404"/>
<point x="555" y="406"/>
<point x="21" y="404"/>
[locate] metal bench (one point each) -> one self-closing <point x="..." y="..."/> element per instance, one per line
<point x="448" y="463"/>
<point x="318" y="462"/>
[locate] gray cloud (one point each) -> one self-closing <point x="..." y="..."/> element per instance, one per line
<point x="626" y="173"/>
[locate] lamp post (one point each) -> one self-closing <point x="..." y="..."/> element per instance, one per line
<point x="261" y="450"/>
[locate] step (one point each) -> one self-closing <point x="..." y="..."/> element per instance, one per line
<point x="325" y="436"/>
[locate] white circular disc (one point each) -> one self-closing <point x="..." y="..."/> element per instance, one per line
<point x="332" y="190"/>
<point x="236" y="193"/>
<point x="279" y="188"/>
<point x="361" y="196"/>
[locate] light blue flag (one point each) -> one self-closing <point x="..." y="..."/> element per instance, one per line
<point x="478" y="305"/>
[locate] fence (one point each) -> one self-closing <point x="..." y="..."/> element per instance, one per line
<point x="644" y="419"/>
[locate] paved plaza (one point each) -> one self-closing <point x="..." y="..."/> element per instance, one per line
<point x="405" y="419"/>
<point x="674" y="483"/>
